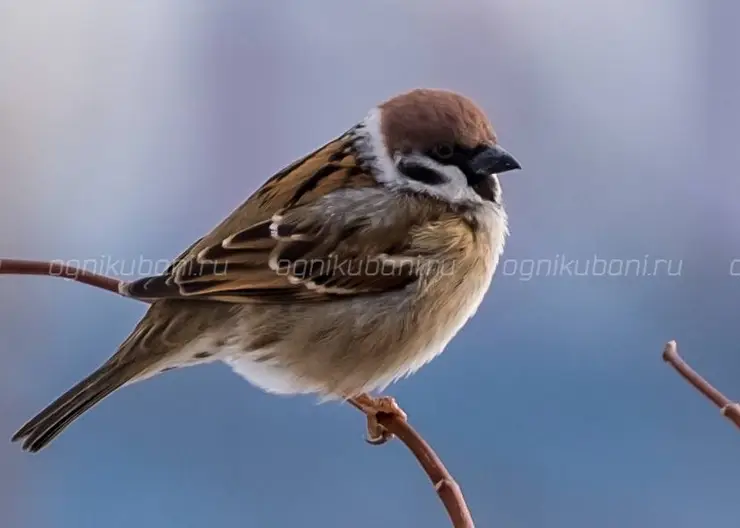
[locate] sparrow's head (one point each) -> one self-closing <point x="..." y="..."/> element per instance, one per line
<point x="438" y="142"/>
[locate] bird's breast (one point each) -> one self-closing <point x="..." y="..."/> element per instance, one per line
<point x="445" y="302"/>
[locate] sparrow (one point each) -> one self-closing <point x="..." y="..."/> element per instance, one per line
<point x="347" y="270"/>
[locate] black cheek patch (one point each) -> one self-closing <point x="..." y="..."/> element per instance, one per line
<point x="421" y="173"/>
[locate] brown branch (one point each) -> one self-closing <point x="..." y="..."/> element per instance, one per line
<point x="57" y="269"/>
<point x="448" y="490"/>
<point x="728" y="408"/>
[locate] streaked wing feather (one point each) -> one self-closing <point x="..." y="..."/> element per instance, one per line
<point x="269" y="259"/>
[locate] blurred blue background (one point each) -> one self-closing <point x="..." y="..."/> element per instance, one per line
<point x="129" y="128"/>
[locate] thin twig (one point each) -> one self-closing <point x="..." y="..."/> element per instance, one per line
<point x="448" y="490"/>
<point x="58" y="269"/>
<point x="728" y="408"/>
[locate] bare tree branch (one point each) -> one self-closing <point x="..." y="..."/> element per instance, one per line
<point x="448" y="490"/>
<point x="728" y="408"/>
<point x="58" y="269"/>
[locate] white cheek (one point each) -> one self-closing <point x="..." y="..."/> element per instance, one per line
<point x="455" y="188"/>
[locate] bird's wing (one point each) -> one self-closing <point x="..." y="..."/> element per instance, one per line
<point x="297" y="240"/>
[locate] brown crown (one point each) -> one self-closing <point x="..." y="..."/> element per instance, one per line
<point x="423" y="118"/>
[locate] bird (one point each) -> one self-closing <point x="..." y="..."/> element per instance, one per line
<point x="346" y="271"/>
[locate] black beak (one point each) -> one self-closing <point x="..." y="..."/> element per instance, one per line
<point x="493" y="160"/>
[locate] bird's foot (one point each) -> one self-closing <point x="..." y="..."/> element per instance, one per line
<point x="377" y="434"/>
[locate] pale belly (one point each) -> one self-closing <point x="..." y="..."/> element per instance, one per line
<point x="269" y="376"/>
<point x="417" y="340"/>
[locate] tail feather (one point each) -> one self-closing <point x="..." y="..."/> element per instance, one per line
<point x="46" y="425"/>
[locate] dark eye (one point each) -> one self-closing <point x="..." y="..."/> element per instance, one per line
<point x="443" y="151"/>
